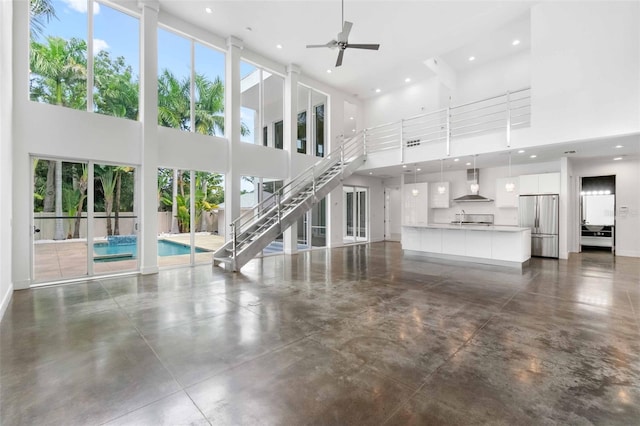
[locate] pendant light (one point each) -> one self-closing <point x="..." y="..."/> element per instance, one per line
<point x="441" y="188"/>
<point x="510" y="186"/>
<point x="474" y="186"/>
<point x="415" y="191"/>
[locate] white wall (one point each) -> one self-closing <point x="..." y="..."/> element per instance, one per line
<point x="584" y="69"/>
<point x="627" y="174"/>
<point x="493" y="78"/>
<point x="6" y="142"/>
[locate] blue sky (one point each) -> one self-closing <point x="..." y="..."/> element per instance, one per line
<point x="118" y="33"/>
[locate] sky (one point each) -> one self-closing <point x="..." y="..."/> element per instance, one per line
<point x="118" y="33"/>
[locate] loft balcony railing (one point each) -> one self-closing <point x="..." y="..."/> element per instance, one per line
<point x="508" y="111"/>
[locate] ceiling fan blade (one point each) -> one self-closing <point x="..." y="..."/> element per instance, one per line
<point x="343" y="36"/>
<point x="331" y="45"/>
<point x="364" y="46"/>
<point x="340" y="55"/>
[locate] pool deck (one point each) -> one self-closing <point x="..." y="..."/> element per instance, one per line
<point x="60" y="260"/>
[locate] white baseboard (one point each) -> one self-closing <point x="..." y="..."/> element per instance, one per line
<point x="628" y="253"/>
<point x="150" y="270"/>
<point x="6" y="298"/>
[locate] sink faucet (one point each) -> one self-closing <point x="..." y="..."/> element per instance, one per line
<point x="461" y="215"/>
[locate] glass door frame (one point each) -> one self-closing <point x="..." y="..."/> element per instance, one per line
<point x="90" y="217"/>
<point x="355" y="220"/>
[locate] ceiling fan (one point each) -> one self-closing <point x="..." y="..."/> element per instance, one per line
<point x="342" y="41"/>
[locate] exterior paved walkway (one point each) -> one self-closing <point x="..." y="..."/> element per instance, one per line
<point x="351" y="336"/>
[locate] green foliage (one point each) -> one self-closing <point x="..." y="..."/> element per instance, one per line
<point x="116" y="87"/>
<point x="58" y="72"/>
<point x="40" y="13"/>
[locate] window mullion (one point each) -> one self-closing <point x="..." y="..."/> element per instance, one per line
<point x="192" y="88"/>
<point x="90" y="71"/>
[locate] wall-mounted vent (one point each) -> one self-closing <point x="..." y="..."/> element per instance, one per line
<point x="413" y="142"/>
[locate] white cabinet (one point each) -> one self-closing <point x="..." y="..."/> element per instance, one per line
<point x="545" y="183"/>
<point x="454" y="241"/>
<point x="478" y="244"/>
<point x="549" y="183"/>
<point x="505" y="199"/>
<point x="415" y="205"/>
<point x="410" y="238"/>
<point x="439" y="201"/>
<point x="431" y="240"/>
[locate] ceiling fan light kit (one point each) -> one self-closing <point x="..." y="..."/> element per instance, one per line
<point x="342" y="41"/>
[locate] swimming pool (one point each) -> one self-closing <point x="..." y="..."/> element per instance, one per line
<point x="105" y="252"/>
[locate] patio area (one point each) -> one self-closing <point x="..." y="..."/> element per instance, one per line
<point x="60" y="260"/>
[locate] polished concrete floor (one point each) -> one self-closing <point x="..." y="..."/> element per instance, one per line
<point x="351" y="336"/>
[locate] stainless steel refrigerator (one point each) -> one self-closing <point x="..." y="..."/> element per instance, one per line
<point x="541" y="214"/>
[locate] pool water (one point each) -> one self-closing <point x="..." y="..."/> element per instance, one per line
<point x="130" y="250"/>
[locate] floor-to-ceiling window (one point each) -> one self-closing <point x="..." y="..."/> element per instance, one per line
<point x="262" y="106"/>
<point x="61" y="67"/>
<point x="188" y="216"/>
<point x="85" y="219"/>
<point x="190" y="85"/>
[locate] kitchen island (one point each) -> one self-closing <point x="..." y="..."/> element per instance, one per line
<point x="488" y="244"/>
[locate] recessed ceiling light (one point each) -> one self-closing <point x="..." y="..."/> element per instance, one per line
<point x="350" y="118"/>
<point x="532" y="156"/>
<point x="248" y="28"/>
<point x="472" y="58"/>
<point x="370" y="173"/>
<point x="377" y="90"/>
<point x="404" y="166"/>
<point x="515" y="42"/>
<point x="279" y="46"/>
<point x="208" y="10"/>
<point x="407" y="80"/>
<point x="521" y="151"/>
<point x="468" y="164"/>
<point x="419" y="169"/>
<point x="353" y="130"/>
<point x="619" y="146"/>
<point x="456" y="159"/>
<point x="617" y="159"/>
<point x="328" y="71"/>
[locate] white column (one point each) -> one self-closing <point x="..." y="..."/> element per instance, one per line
<point x="290" y="142"/>
<point x="232" y="132"/>
<point x="149" y="116"/>
<point x="6" y="142"/>
<point x="21" y="184"/>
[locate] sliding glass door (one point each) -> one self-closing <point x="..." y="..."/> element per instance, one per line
<point x="355" y="214"/>
<point x="84" y="219"/>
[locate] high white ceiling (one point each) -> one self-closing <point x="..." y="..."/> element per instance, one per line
<point x="409" y="32"/>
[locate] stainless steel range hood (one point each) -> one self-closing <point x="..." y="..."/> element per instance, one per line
<point x="473" y="176"/>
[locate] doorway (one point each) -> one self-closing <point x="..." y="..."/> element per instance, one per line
<point x="356" y="213"/>
<point x="392" y="204"/>
<point x="84" y="220"/>
<point x="597" y="213"/>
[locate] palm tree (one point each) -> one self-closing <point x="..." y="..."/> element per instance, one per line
<point x="108" y="183"/>
<point x="59" y="70"/>
<point x="116" y="87"/>
<point x="120" y="172"/>
<point x="174" y="109"/>
<point x="40" y="13"/>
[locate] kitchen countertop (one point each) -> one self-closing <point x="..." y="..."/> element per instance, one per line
<point x="472" y="227"/>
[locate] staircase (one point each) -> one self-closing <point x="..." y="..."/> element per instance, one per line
<point x="257" y="228"/>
